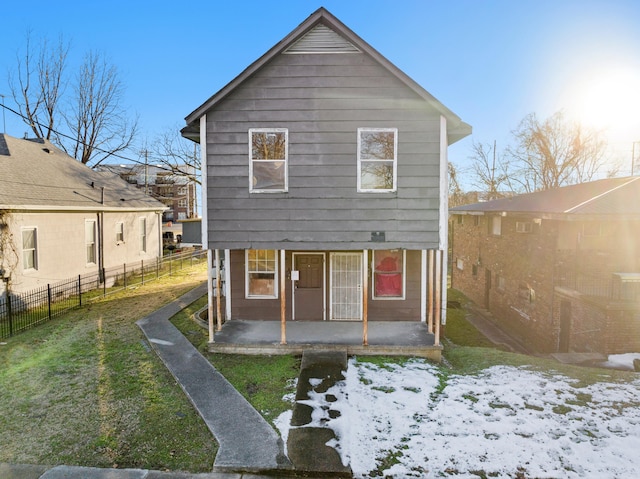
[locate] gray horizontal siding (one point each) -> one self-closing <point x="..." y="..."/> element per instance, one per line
<point x="322" y="100"/>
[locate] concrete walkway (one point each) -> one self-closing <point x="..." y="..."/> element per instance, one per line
<point x="247" y="442"/>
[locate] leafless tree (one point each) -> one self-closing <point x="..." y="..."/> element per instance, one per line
<point x="490" y="170"/>
<point x="554" y="152"/>
<point x="97" y="119"/>
<point x="39" y="83"/>
<point x="177" y="154"/>
<point x="82" y="114"/>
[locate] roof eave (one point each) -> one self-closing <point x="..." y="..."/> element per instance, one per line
<point x="457" y="129"/>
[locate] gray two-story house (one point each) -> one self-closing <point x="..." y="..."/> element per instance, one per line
<point x="324" y="180"/>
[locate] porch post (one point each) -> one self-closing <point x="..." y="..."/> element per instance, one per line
<point x="283" y="303"/>
<point x="365" y="297"/>
<point x="423" y="286"/>
<point x="430" y="291"/>
<point x="210" y="294"/>
<point x="218" y="292"/>
<point x="227" y="284"/>
<point x="438" y="285"/>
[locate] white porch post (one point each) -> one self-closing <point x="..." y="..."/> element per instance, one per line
<point x="430" y="280"/>
<point x="365" y="297"/>
<point x="424" y="281"/>
<point x="227" y="284"/>
<point x="218" y="292"/>
<point x="283" y="303"/>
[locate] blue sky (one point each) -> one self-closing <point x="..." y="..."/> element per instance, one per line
<point x="491" y="62"/>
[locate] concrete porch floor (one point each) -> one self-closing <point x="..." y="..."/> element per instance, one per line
<point x="391" y="338"/>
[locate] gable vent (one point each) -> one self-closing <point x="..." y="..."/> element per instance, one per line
<point x="321" y="39"/>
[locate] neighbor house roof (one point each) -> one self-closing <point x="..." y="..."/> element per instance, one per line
<point x="35" y="175"/>
<point x="456" y="128"/>
<point x="593" y="200"/>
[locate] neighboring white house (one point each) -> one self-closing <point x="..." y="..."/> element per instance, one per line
<point x="60" y="219"/>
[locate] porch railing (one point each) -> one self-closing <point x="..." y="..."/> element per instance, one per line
<point x="21" y="311"/>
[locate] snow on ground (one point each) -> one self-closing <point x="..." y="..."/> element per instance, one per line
<point x="416" y="421"/>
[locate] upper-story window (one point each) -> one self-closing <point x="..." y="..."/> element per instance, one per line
<point x="268" y="153"/>
<point x="377" y="159"/>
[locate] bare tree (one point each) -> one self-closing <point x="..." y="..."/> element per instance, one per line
<point x="177" y="154"/>
<point x="89" y="122"/>
<point x="491" y="170"/>
<point x="554" y="152"/>
<point x="39" y="84"/>
<point x="97" y="119"/>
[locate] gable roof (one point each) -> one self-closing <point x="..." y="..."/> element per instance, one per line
<point x="35" y="175"/>
<point x="593" y="200"/>
<point x="321" y="31"/>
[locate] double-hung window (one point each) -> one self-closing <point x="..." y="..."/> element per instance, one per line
<point x="90" y="241"/>
<point x="377" y="159"/>
<point x="120" y="232"/>
<point x="261" y="273"/>
<point x="29" y="249"/>
<point x="268" y="160"/>
<point x="143" y="235"/>
<point x="388" y="274"/>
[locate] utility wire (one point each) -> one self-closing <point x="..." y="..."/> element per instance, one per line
<point x="26" y="120"/>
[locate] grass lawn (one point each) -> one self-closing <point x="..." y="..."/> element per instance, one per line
<point x="85" y="389"/>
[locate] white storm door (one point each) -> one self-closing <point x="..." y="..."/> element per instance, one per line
<point x="346" y="286"/>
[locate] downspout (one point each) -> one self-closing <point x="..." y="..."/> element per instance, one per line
<point x="444" y="215"/>
<point x="101" y="237"/>
<point x="204" y="229"/>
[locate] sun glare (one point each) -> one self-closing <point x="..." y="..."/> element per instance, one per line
<point x="610" y="100"/>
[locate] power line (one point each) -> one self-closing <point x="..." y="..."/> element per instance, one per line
<point x="101" y="150"/>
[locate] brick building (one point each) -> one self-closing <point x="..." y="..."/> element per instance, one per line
<point x="560" y="268"/>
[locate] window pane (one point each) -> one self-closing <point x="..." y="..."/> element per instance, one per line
<point x="376" y="175"/>
<point x="377" y="145"/>
<point x="388" y="271"/>
<point x="261" y="284"/>
<point x="268" y="175"/>
<point x="29" y="239"/>
<point x="268" y="145"/>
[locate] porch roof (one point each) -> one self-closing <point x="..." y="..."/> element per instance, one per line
<point x="396" y="338"/>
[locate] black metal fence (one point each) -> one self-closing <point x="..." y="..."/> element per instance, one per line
<point x="21" y="311"/>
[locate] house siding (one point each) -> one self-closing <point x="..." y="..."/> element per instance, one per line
<point x="322" y="100"/>
<point x="61" y="249"/>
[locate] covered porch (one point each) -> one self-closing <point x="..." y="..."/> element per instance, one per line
<point x="389" y="338"/>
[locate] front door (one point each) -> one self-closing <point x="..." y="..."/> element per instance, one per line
<point x="346" y="286"/>
<point x="308" y="289"/>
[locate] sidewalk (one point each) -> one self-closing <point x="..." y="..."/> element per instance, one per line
<point x="483" y="321"/>
<point x="246" y="441"/>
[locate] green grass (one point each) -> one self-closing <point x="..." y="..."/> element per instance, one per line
<point x="458" y="330"/>
<point x="262" y="380"/>
<point x="85" y="389"/>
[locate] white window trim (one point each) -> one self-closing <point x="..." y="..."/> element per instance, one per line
<point x="286" y="159"/>
<point x="35" y="249"/>
<point x="404" y="279"/>
<point x="142" y="231"/>
<point x="119" y="231"/>
<point x="496" y="225"/>
<point x="395" y="161"/>
<point x="246" y="279"/>
<point x="95" y="242"/>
